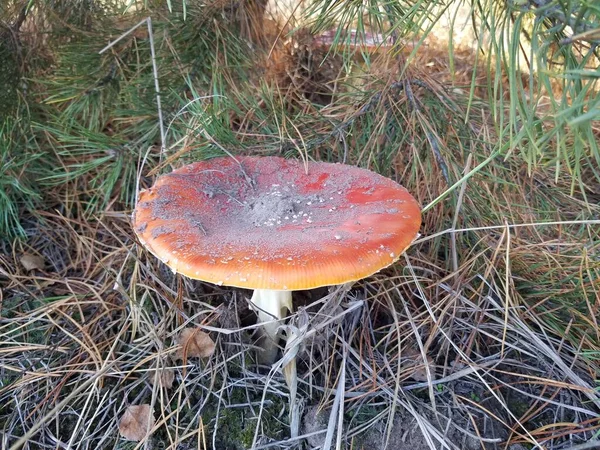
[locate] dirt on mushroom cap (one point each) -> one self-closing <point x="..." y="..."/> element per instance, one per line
<point x="272" y="223"/>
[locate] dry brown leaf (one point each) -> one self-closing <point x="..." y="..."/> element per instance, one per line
<point x="194" y="343"/>
<point x="415" y="360"/>
<point x="162" y="377"/>
<point x="32" y="262"/>
<point x="136" y="422"/>
<point x="420" y="371"/>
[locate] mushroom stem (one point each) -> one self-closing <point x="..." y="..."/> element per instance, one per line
<point x="270" y="305"/>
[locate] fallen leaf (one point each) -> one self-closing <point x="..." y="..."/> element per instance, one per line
<point x="136" y="422"/>
<point x="420" y="371"/>
<point x="414" y="359"/>
<point x="162" y="377"/>
<point x="32" y="262"/>
<point x="194" y="343"/>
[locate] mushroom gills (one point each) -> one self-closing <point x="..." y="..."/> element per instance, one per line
<point x="270" y="306"/>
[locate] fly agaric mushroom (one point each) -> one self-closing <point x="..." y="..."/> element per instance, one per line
<point x="275" y="226"/>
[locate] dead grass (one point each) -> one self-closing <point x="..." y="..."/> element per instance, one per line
<point x="82" y="338"/>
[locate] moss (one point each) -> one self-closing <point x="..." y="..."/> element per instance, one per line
<point x="519" y="407"/>
<point x="236" y="426"/>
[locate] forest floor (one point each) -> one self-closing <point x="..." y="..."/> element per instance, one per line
<point x="483" y="335"/>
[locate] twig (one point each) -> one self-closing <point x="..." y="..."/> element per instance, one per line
<point x="510" y="226"/>
<point x="148" y="22"/>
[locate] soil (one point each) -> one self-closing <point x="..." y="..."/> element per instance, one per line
<point x="404" y="435"/>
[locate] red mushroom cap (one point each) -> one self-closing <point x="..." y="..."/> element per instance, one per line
<point x="272" y="223"/>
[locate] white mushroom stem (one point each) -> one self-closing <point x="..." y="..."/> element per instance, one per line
<point x="270" y="307"/>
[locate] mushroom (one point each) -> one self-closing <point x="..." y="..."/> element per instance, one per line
<point x="275" y="225"/>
